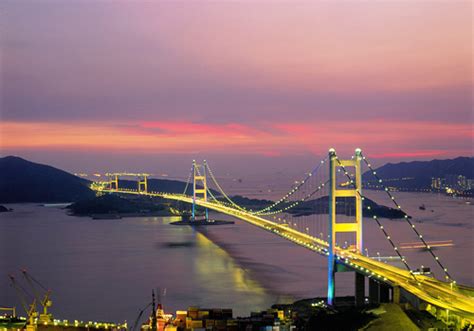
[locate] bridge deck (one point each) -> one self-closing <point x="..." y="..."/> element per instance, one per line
<point x="432" y="291"/>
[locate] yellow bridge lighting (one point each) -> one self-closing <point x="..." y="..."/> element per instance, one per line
<point x="129" y="174"/>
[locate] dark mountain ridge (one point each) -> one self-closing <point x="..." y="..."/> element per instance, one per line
<point x="418" y="174"/>
<point x="25" y="181"/>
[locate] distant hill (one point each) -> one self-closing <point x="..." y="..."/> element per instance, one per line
<point x="418" y="174"/>
<point x="25" y="181"/>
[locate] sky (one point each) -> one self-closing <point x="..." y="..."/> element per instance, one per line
<point x="139" y="85"/>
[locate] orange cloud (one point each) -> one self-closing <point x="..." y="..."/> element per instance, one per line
<point x="169" y="137"/>
<point x="384" y="139"/>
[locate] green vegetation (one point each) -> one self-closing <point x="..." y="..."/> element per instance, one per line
<point x="391" y="317"/>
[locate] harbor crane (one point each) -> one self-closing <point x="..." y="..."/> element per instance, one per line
<point x="29" y="309"/>
<point x="137" y="320"/>
<point x="45" y="301"/>
<point x="153" y="319"/>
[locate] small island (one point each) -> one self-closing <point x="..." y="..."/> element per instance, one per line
<point x="4" y="209"/>
<point x="112" y="206"/>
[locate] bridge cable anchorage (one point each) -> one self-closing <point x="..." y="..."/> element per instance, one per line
<point x="407" y="219"/>
<point x="296" y="203"/>
<point x="293" y="190"/>
<point x="395" y="248"/>
<point x="222" y="191"/>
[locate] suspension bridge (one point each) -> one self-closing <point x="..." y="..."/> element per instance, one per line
<point x="323" y="212"/>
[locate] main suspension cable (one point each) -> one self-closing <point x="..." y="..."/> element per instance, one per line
<point x="188" y="181"/>
<point x="407" y="219"/>
<point x="296" y="203"/>
<point x="293" y="190"/>
<point x="221" y="190"/>
<point x="387" y="236"/>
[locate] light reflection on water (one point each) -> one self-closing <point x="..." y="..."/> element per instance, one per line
<point x="212" y="261"/>
<point x="105" y="269"/>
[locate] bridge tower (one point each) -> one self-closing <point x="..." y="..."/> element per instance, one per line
<point x="354" y="191"/>
<point x="113" y="181"/>
<point x="143" y="184"/>
<point x="199" y="177"/>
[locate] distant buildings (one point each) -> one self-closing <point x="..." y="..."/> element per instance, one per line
<point x="452" y="183"/>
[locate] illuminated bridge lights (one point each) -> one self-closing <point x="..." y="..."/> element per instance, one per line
<point x="384" y="272"/>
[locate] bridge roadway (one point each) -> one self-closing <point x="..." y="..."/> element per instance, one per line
<point x="430" y="290"/>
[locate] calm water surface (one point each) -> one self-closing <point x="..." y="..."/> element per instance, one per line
<point x="105" y="269"/>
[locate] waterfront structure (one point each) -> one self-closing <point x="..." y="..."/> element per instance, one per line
<point x="196" y="318"/>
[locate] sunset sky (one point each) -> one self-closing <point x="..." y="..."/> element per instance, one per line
<point x="89" y="85"/>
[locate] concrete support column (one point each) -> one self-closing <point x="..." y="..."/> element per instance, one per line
<point x="396" y="294"/>
<point x="384" y="293"/>
<point x="374" y="291"/>
<point x="359" y="289"/>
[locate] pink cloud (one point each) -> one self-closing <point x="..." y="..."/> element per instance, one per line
<point x="382" y="139"/>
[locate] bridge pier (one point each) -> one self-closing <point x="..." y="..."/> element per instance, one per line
<point x="396" y="294"/>
<point x="359" y="289"/>
<point x="378" y="292"/>
<point x="374" y="291"/>
<point x="384" y="292"/>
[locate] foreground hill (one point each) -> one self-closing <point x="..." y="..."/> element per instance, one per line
<point x="25" y="181"/>
<point x="418" y="174"/>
